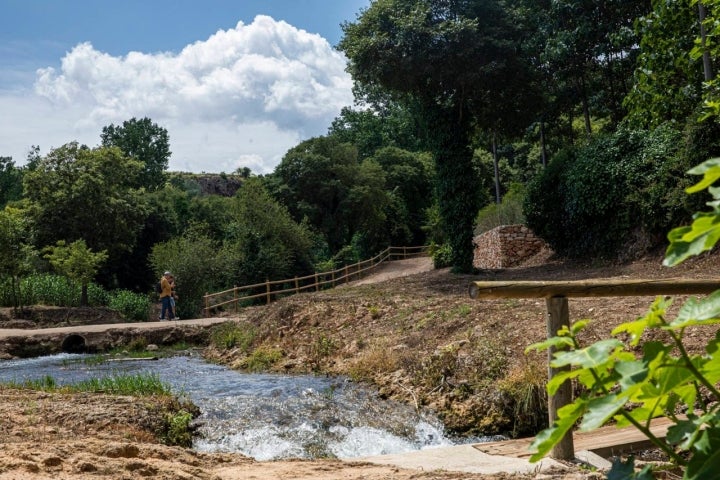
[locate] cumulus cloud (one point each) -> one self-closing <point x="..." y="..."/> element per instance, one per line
<point x="239" y="98"/>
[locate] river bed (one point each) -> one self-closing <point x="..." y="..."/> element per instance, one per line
<point x="264" y="416"/>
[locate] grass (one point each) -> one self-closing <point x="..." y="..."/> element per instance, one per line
<point x="142" y="384"/>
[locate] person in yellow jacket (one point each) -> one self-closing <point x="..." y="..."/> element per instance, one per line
<point x="165" y="296"/>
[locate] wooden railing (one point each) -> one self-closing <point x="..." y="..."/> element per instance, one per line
<point x="272" y="290"/>
<point x="556" y="295"/>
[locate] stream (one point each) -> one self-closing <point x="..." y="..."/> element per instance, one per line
<point x="265" y="416"/>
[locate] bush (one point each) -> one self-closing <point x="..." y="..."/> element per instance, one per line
<point x="132" y="306"/>
<point x="441" y="255"/>
<point x="232" y="335"/>
<point x="590" y="199"/>
<point x="508" y="212"/>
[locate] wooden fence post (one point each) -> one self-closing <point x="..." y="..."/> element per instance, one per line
<point x="235" y="299"/>
<point x="317" y="287"/>
<point x="207" y="304"/>
<point x="267" y="288"/>
<point x="559" y="316"/>
<point x="297" y="286"/>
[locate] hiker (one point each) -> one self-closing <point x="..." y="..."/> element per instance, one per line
<point x="165" y="297"/>
<point x="173" y="299"/>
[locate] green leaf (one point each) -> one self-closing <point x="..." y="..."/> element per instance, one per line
<point x="578" y="326"/>
<point x="695" y="311"/>
<point x="705" y="463"/>
<point x="710" y="169"/>
<point x="631" y="374"/>
<point x="702" y="235"/>
<point x="548" y="438"/>
<point x="593" y="356"/>
<point x="600" y="410"/>
<point x="558" y="343"/>
<point x="559" y="378"/>
<point x="626" y="471"/>
<point x="684" y="432"/>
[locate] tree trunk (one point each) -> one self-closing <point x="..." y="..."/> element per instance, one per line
<point x="543" y="148"/>
<point x="496" y="169"/>
<point x="84" y="295"/>
<point x="707" y="61"/>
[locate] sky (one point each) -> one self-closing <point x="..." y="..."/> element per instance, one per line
<point x="236" y="83"/>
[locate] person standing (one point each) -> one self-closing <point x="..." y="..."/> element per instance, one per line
<point x="165" y="296"/>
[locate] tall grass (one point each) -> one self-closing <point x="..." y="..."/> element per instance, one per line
<point x="141" y="384"/>
<point x="50" y="289"/>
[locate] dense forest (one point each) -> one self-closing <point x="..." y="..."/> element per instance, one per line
<point x="579" y="118"/>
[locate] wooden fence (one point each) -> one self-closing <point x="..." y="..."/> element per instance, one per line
<point x="556" y="295"/>
<point x="272" y="290"/>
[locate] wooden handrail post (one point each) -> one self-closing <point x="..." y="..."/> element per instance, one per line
<point x="297" y="286"/>
<point x="207" y="304"/>
<point x="235" y="298"/>
<point x="267" y="288"/>
<point x="559" y="316"/>
<point x="317" y="287"/>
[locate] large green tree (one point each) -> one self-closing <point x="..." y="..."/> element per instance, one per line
<point x="322" y="181"/>
<point x="455" y="64"/>
<point x="144" y="141"/>
<point x="77" y="262"/>
<point x="16" y="250"/>
<point x="77" y="193"/>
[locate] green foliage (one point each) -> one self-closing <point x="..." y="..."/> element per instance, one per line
<point x="16" y="253"/>
<point x="198" y="268"/>
<point x="231" y="335"/>
<point x="667" y="81"/>
<point x="441" y="255"/>
<point x="76" y="262"/>
<point x="178" y="431"/>
<point x="10" y="181"/>
<point x="263" y="241"/>
<point x="131" y="305"/>
<point x="119" y="384"/>
<point x="77" y="193"/>
<point x="262" y="358"/>
<point x="508" y="212"/>
<point x="147" y="143"/>
<point x="664" y="380"/>
<point x="49" y="289"/>
<point x="591" y="200"/>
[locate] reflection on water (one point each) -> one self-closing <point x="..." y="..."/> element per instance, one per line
<point x="264" y="416"/>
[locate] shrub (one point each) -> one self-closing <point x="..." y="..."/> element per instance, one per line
<point x="56" y="290"/>
<point x="132" y="306"/>
<point x="441" y="255"/>
<point x="230" y="335"/>
<point x="262" y="358"/>
<point x="508" y="212"/>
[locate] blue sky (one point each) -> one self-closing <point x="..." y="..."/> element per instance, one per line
<point x="236" y="83"/>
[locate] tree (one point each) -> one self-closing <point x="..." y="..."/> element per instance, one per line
<point x="10" y="181"/>
<point x="77" y="262"/>
<point x="77" y="193"/>
<point x="16" y="250"/>
<point x="263" y="241"/>
<point x="321" y="181"/>
<point x="420" y="53"/>
<point x="409" y="177"/>
<point x="144" y="141"/>
<point x="369" y="129"/>
<point x="668" y="81"/>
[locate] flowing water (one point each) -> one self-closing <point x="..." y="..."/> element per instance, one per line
<point x="265" y="416"/>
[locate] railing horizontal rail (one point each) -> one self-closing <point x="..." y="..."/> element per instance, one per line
<point x="316" y="281"/>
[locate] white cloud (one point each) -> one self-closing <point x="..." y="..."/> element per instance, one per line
<point x="240" y="98"/>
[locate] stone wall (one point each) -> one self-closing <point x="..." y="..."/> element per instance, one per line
<point x="505" y="246"/>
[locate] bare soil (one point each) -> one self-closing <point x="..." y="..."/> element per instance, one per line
<point x="419" y="338"/>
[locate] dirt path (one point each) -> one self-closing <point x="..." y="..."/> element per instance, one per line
<point x="397" y="269"/>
